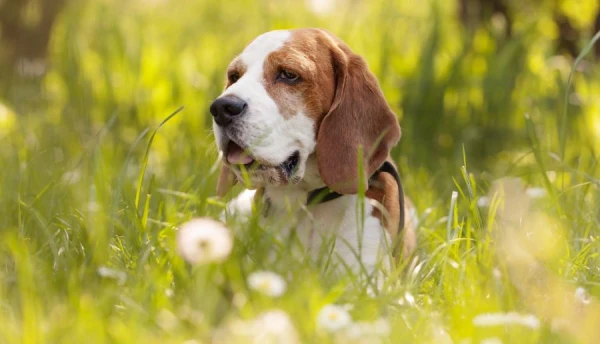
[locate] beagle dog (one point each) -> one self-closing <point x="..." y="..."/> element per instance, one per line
<point x="305" y="122"/>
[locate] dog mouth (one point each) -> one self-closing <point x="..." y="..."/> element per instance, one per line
<point x="237" y="156"/>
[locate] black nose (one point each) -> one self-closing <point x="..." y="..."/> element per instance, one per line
<point x="225" y="109"/>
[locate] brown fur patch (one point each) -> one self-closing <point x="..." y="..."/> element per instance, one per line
<point x="359" y="118"/>
<point x="302" y="54"/>
<point x="384" y="190"/>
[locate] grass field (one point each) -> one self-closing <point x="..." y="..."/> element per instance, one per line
<point x="92" y="190"/>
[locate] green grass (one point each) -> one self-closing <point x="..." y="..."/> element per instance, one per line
<point x="92" y="179"/>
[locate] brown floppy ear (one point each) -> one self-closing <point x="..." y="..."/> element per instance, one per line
<point x="359" y="117"/>
<point x="226" y="180"/>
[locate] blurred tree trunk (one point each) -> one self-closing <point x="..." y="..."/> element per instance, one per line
<point x="473" y="13"/>
<point x="568" y="36"/>
<point x="25" y="31"/>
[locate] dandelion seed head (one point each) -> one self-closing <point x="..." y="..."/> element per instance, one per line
<point x="204" y="240"/>
<point x="267" y="283"/>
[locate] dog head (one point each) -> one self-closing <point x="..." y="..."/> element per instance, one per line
<point x="299" y="99"/>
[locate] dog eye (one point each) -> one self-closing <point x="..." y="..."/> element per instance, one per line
<point x="288" y="76"/>
<point x="233" y="77"/>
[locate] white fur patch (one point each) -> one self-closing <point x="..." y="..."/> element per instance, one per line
<point x="360" y="246"/>
<point x="241" y="206"/>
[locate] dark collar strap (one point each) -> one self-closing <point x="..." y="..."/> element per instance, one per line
<point x="324" y="194"/>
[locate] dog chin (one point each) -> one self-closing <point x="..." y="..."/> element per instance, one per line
<point x="268" y="176"/>
<point x="260" y="173"/>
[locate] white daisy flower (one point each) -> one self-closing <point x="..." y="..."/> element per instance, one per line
<point x="204" y="240"/>
<point x="267" y="282"/>
<point x="582" y="295"/>
<point x="333" y="318"/>
<point x="275" y="327"/>
<point x="511" y="318"/>
<point x="535" y="193"/>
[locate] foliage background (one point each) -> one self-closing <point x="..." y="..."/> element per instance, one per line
<point x="474" y="103"/>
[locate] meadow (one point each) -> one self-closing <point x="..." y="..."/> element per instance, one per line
<point x="110" y="151"/>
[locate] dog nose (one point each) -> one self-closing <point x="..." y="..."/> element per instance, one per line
<point x="225" y="109"/>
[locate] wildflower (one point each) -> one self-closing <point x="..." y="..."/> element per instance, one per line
<point x="511" y="318"/>
<point x="117" y="275"/>
<point x="274" y="327"/>
<point x="267" y="282"/>
<point x="204" y="240"/>
<point x="535" y="193"/>
<point x="582" y="295"/>
<point x="333" y="318"/>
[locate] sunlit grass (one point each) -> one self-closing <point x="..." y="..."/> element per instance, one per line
<point x="91" y="195"/>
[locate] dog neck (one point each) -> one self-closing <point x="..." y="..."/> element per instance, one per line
<point x="296" y="194"/>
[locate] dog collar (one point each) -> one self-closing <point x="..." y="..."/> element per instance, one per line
<point x="325" y="194"/>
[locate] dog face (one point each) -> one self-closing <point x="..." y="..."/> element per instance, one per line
<point x="299" y="96"/>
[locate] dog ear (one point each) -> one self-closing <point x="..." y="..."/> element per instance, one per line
<point x="226" y="180"/>
<point x="359" y="118"/>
